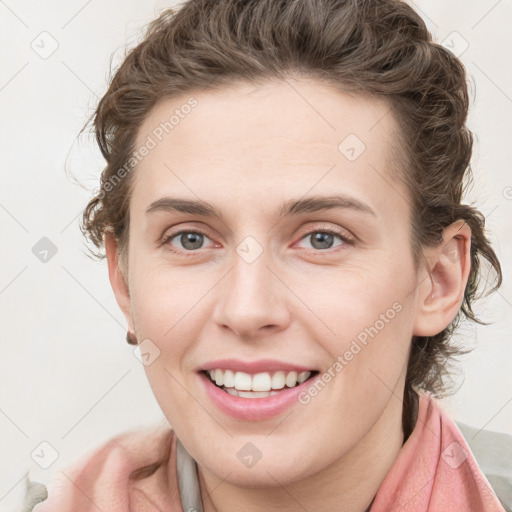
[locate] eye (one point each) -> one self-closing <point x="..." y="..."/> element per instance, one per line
<point x="190" y="241"/>
<point x="324" y="239"/>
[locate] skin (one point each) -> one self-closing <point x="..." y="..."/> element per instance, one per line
<point x="246" y="149"/>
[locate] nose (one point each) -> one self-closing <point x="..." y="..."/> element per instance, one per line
<point x="252" y="300"/>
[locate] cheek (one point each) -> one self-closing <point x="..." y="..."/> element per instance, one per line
<point x="348" y="299"/>
<point x="166" y="301"/>
<point x="168" y="314"/>
<point x="364" y="321"/>
<point x="165" y="319"/>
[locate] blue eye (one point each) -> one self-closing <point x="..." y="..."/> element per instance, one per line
<point x="190" y="240"/>
<point x="324" y="239"/>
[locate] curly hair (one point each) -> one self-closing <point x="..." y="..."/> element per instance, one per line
<point x="380" y="48"/>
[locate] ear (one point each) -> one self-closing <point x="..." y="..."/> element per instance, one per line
<point x="117" y="279"/>
<point x="442" y="291"/>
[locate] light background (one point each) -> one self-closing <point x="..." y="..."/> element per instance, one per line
<point x="67" y="375"/>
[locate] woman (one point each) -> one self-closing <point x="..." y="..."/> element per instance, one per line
<point x="281" y="214"/>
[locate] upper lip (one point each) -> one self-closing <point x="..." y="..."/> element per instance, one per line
<point x="259" y="366"/>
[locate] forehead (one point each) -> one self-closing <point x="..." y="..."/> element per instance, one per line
<point x="274" y="137"/>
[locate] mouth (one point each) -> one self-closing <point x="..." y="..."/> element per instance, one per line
<point x="255" y="390"/>
<point x="257" y="385"/>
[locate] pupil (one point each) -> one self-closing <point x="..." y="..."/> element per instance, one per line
<point x="194" y="238"/>
<point x="324" y="240"/>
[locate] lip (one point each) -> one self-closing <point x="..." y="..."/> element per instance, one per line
<point x="253" y="367"/>
<point x="254" y="409"/>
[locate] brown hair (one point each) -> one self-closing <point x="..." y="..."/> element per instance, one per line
<point x="374" y="47"/>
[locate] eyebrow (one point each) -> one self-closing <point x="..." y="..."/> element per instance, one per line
<point x="290" y="207"/>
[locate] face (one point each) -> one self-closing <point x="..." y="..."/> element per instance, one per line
<point x="274" y="279"/>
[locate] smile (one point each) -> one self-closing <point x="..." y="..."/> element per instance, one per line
<point x="245" y="392"/>
<point x="259" y="385"/>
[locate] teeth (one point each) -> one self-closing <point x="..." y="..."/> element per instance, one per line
<point x="303" y="376"/>
<point x="258" y="384"/>
<point x="278" y="380"/>
<point x="261" y="382"/>
<point x="229" y="379"/>
<point x="243" y="381"/>
<point x="250" y="394"/>
<point x="219" y="374"/>
<point x="291" y="379"/>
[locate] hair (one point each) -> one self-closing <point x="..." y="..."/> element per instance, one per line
<point x="376" y="48"/>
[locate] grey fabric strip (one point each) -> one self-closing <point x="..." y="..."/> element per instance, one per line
<point x="188" y="482"/>
<point x="493" y="452"/>
<point x="35" y="492"/>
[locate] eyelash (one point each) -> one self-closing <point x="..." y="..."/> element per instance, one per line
<point x="345" y="239"/>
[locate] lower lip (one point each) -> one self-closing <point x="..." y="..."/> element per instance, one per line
<point x="253" y="409"/>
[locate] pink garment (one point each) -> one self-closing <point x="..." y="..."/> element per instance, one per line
<point x="435" y="471"/>
<point x="98" y="481"/>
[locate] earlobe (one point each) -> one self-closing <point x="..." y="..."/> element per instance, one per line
<point x="442" y="292"/>
<point x="117" y="279"/>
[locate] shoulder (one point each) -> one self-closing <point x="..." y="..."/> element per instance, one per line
<point x="488" y="454"/>
<point x="435" y="469"/>
<point x="104" y="474"/>
<point x="493" y="453"/>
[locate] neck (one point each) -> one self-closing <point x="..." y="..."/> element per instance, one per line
<point x="349" y="484"/>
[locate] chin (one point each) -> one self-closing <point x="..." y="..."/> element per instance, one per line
<point x="275" y="466"/>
